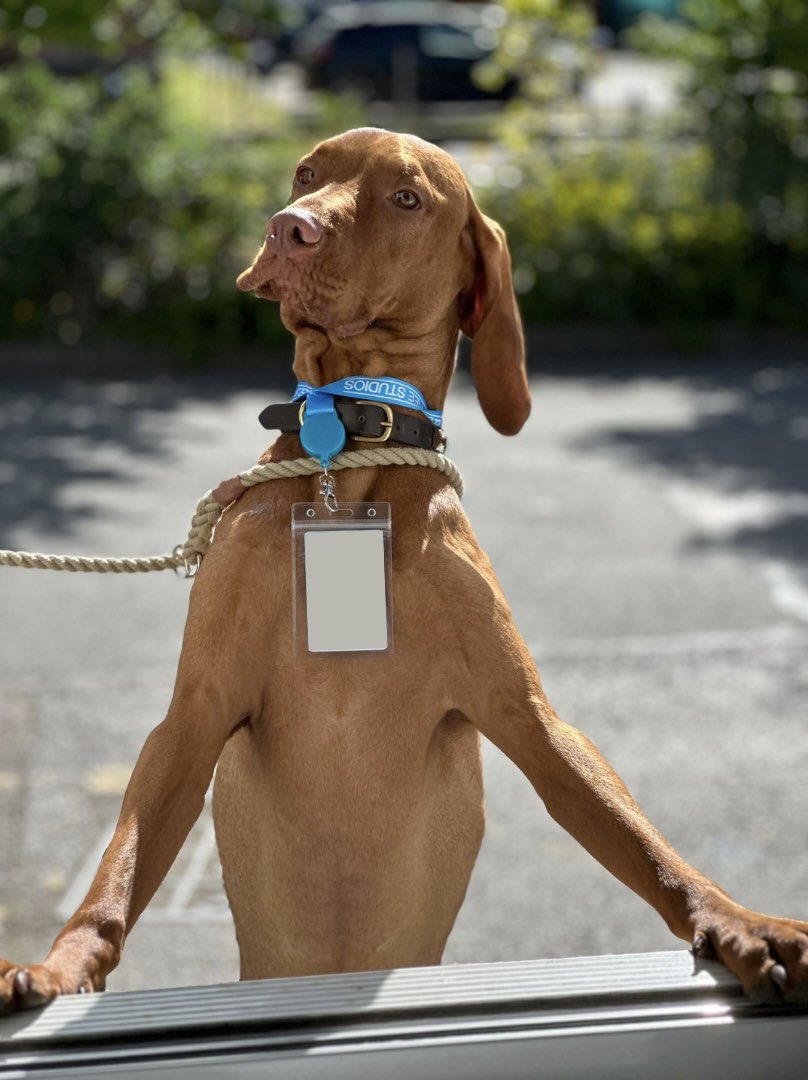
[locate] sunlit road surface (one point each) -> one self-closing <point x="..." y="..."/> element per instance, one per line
<point x="651" y="533"/>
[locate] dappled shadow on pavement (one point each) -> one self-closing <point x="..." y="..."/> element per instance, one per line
<point x="747" y="432"/>
<point x="747" y="440"/>
<point x="58" y="433"/>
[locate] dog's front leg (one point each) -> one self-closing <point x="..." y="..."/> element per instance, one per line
<point x="587" y="798"/>
<point x="164" y="798"/>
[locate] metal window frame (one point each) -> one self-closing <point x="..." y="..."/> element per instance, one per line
<point x="636" y="1015"/>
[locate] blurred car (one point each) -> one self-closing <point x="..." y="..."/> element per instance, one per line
<point x="402" y="51"/>
<point x="618" y="15"/>
<point x="293" y="16"/>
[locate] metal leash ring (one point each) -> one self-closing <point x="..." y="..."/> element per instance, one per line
<point x="328" y="490"/>
<point x="191" y="565"/>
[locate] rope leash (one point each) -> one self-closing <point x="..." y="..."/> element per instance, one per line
<point x="190" y="554"/>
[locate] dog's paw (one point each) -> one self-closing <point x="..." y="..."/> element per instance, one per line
<point x="768" y="955"/>
<point x="27" y="987"/>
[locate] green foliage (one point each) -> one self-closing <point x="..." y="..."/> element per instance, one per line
<point x="746" y="96"/>
<point x="119" y="216"/>
<point x="546" y="45"/>
<point x="130" y="200"/>
<point x="26" y="25"/>
<point x="746" y="93"/>
<point x="115" y="29"/>
<point x="618" y="232"/>
<point x="702" y="218"/>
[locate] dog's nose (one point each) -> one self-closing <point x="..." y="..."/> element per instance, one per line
<point x="294" y="232"/>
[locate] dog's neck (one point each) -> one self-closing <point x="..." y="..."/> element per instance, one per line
<point x="427" y="362"/>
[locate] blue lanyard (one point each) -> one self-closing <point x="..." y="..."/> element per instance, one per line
<point x="323" y="435"/>
<point x="371" y="388"/>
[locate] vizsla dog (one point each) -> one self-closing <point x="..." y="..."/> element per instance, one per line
<point x="348" y="797"/>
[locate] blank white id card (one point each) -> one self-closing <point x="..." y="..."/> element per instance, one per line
<point x="342" y="572"/>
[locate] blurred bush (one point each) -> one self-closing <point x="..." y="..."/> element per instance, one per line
<point x="682" y="221"/>
<point x="131" y="196"/>
<point x="86" y="34"/>
<point x="619" y="233"/>
<point x="745" y="97"/>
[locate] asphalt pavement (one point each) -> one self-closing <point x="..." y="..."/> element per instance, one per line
<point x="650" y="529"/>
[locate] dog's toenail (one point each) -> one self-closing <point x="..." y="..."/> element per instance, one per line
<point x="22" y="982"/>
<point x="778" y="976"/>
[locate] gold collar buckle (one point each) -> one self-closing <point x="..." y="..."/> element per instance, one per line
<point x="387" y="424"/>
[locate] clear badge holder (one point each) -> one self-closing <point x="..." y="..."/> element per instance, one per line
<point x="342" y="580"/>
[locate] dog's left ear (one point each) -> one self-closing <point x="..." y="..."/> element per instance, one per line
<point x="491" y="319"/>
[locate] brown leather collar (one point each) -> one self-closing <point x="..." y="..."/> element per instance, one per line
<point x="364" y="422"/>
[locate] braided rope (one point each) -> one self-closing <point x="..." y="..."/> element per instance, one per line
<point x="190" y="553"/>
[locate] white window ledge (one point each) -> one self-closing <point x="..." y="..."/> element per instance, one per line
<point x="640" y="1015"/>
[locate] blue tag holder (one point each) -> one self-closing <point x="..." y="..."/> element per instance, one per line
<point x="322" y="434"/>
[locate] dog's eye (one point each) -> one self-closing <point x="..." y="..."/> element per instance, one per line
<point x="305" y="175"/>
<point x="407" y="200"/>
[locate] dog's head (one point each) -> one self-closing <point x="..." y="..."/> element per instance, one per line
<point x="382" y="240"/>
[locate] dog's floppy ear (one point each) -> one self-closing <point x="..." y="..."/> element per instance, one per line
<point x="491" y="319"/>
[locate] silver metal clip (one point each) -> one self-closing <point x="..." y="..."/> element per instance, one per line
<point x="191" y="565"/>
<point x="327" y="490"/>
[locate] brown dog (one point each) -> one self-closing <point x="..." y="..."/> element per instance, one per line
<point x="348" y="795"/>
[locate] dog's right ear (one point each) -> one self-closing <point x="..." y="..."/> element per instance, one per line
<point x="491" y="319"/>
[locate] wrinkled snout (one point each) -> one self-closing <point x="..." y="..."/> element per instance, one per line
<point x="294" y="233"/>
